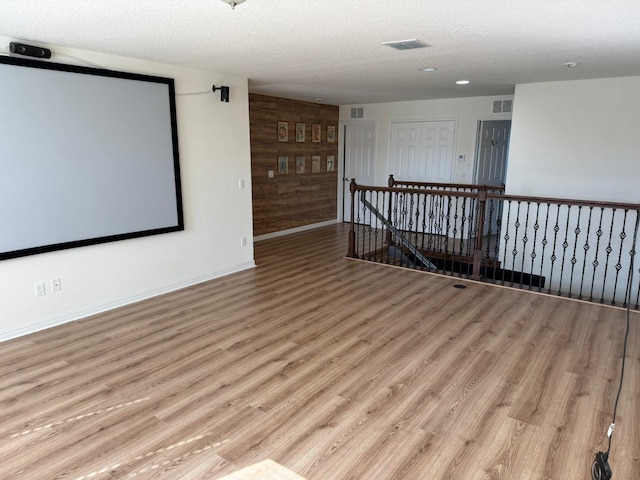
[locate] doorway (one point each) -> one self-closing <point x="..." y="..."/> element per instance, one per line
<point x="492" y="152"/>
<point x="422" y="151"/>
<point x="359" y="160"/>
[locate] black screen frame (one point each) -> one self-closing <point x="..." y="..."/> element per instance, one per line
<point x="82" y="70"/>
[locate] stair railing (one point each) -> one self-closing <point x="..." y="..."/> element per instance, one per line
<point x="574" y="248"/>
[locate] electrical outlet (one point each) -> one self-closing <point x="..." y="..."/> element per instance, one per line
<point x="243" y="241"/>
<point x="56" y="286"/>
<point x="241" y="184"/>
<point x="40" y="291"/>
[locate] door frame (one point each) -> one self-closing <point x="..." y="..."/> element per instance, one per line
<point x="480" y="121"/>
<point x="343" y="186"/>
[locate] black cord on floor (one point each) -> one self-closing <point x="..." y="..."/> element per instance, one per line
<point x="626" y="335"/>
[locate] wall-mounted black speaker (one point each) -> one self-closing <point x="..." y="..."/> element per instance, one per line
<point x="29" y="50"/>
<point x="224" y="94"/>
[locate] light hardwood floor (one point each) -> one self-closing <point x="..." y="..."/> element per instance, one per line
<point x="335" y="368"/>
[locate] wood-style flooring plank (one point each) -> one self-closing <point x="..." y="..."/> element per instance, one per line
<point x="335" y="368"/>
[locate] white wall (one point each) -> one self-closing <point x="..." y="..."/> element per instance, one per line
<point x="577" y="139"/>
<point x="214" y="157"/>
<point x="465" y="112"/>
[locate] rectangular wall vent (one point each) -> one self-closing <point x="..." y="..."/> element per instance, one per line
<point x="502" y="106"/>
<point x="357" y="112"/>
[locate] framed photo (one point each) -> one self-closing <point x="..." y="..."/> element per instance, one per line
<point x="300" y="165"/>
<point x="300" y="132"/>
<point x="331" y="163"/>
<point x="315" y="164"/>
<point x="283" y="132"/>
<point x="315" y="133"/>
<point x="283" y="165"/>
<point x="331" y="134"/>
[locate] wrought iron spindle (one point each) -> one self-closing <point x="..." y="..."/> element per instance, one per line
<point x="544" y="242"/>
<point x="618" y="266"/>
<point x="536" y="227"/>
<point x="574" y="260"/>
<point x="514" y="252"/>
<point x="608" y="250"/>
<point x="585" y="247"/>
<point x="432" y="220"/>
<point x="565" y="245"/>
<point x="506" y="240"/>
<point x="595" y="261"/>
<point x="525" y="240"/>
<point x="556" y="229"/>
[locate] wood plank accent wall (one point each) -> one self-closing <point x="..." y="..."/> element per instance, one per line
<point x="293" y="199"/>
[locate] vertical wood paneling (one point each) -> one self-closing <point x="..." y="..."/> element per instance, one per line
<point x="292" y="200"/>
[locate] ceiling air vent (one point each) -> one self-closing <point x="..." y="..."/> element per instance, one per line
<point x="502" y="106"/>
<point x="357" y="112"/>
<point x="406" y="44"/>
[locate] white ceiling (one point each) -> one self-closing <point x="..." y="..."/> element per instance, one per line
<point x="332" y="50"/>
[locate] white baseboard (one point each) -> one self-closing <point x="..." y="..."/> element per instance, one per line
<point x="55" y="321"/>
<point x="303" y="228"/>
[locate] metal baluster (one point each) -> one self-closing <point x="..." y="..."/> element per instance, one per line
<point x="506" y="240"/>
<point x="585" y="247"/>
<point x="448" y="229"/>
<point x="463" y="223"/>
<point x="361" y="211"/>
<point x="424" y="220"/>
<point x="609" y="249"/>
<point x="544" y="243"/>
<point x="454" y="231"/>
<point x="525" y="240"/>
<point x="556" y="229"/>
<point x="379" y="248"/>
<point x="565" y="245"/>
<point x="368" y="228"/>
<point x="595" y="262"/>
<point x="574" y="260"/>
<point x="536" y="227"/>
<point x="618" y="266"/>
<point x="514" y="252"/>
<point x="432" y="216"/>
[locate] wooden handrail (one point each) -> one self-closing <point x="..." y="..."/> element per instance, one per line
<point x="392" y="182"/>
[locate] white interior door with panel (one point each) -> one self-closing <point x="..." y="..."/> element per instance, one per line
<point x="422" y="151"/>
<point x="359" y="160"/>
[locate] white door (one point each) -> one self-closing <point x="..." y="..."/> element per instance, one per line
<point x="492" y="155"/>
<point x="422" y="151"/>
<point x="493" y="147"/>
<point x="359" y="158"/>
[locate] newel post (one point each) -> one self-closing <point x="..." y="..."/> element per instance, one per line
<point x="352" y="231"/>
<point x="477" y="252"/>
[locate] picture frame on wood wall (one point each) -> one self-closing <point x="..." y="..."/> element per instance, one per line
<point x="300" y="167"/>
<point x="283" y="164"/>
<point x="316" y="133"/>
<point x="331" y="163"/>
<point x="300" y="132"/>
<point x="315" y="164"/>
<point x="331" y="134"/>
<point x="283" y="132"/>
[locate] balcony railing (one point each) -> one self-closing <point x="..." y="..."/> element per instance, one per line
<point x="572" y="248"/>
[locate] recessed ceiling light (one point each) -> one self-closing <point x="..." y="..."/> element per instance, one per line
<point x="462" y="82"/>
<point x="428" y="69"/>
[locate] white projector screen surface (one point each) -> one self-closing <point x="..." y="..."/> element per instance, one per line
<point x="86" y="156"/>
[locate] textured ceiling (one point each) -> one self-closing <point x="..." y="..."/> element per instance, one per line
<point x="332" y="50"/>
